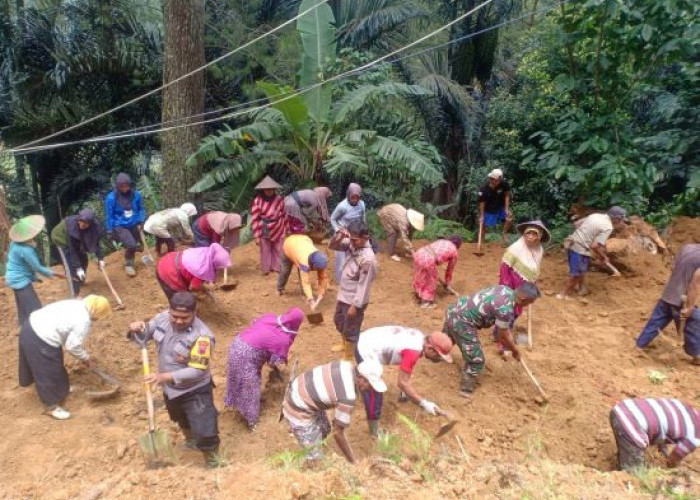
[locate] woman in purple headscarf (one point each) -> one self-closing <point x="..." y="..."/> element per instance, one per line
<point x="267" y="340"/>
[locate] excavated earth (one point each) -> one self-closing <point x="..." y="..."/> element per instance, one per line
<point x="508" y="444"/>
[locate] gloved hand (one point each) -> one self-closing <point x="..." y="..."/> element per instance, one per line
<point x="80" y="273"/>
<point x="429" y="407"/>
<point x="101" y="263"/>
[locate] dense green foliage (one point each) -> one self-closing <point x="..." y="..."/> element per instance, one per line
<point x="596" y="100"/>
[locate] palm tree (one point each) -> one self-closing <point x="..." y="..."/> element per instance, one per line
<point x="310" y="136"/>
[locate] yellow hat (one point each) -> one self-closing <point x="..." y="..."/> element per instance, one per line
<point x="97" y="306"/>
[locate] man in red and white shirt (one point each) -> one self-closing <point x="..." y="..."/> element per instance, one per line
<point x="640" y="422"/>
<point x="398" y="345"/>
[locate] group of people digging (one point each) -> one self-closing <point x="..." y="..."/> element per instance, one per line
<point x="282" y="228"/>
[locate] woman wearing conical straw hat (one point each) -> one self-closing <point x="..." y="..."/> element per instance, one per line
<point x="23" y="264"/>
<point x="268" y="223"/>
<point x="61" y="325"/>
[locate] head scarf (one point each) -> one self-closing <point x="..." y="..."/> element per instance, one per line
<point x="86" y="215"/>
<point x="189" y="209"/>
<point x="273" y="333"/>
<point x="97" y="306"/>
<point x="318" y="260"/>
<point x="226" y="225"/>
<point x="123" y="199"/>
<point x="89" y="238"/>
<point x="524" y="260"/>
<point x="455" y="239"/>
<point x="353" y="189"/>
<point x="203" y="262"/>
<point x="322" y="194"/>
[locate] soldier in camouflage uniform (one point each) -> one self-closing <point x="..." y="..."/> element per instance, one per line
<point x="483" y="309"/>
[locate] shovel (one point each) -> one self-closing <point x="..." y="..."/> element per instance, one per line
<point x="527" y="339"/>
<point x="148" y="258"/>
<point x="107" y="379"/>
<point x="615" y="272"/>
<point x="120" y="305"/>
<point x="446" y="427"/>
<point x="479" y="252"/>
<point x="155" y="444"/>
<point x="68" y="275"/>
<point x="534" y="380"/>
<point x="315" y="318"/>
<point x="227" y="287"/>
<point x="449" y="288"/>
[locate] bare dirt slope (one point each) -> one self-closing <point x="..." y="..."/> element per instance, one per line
<point x="514" y="447"/>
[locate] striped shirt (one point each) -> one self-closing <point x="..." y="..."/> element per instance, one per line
<point x="320" y="389"/>
<point x="659" y="420"/>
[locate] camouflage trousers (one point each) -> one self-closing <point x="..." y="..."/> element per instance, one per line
<point x="466" y="337"/>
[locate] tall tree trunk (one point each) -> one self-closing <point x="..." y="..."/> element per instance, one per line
<point x="183" y="22"/>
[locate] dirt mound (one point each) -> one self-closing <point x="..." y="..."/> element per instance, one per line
<point x="583" y="355"/>
<point x="684" y="230"/>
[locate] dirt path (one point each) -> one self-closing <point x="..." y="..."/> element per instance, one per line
<point x="583" y="355"/>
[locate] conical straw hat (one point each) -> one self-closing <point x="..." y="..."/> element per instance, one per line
<point x="27" y="228"/>
<point x="268" y="183"/>
<point x="416" y="219"/>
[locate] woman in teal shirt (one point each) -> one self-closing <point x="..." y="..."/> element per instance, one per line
<point x="23" y="264"/>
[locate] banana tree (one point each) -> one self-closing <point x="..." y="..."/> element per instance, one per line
<point x="309" y="134"/>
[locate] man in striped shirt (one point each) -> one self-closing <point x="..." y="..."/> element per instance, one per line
<point x="638" y="423"/>
<point x="330" y="386"/>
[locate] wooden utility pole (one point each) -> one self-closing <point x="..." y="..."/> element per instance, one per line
<point x="183" y="51"/>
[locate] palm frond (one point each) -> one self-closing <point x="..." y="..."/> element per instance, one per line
<point x="363" y="22"/>
<point x="396" y="151"/>
<point x="252" y="162"/>
<point x="362" y="96"/>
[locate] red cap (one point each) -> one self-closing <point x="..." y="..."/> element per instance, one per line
<point x="442" y="344"/>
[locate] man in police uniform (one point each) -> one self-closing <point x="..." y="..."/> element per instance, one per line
<point x="184" y="345"/>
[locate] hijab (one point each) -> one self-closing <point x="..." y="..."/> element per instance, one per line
<point x="322" y="194"/>
<point x="274" y="334"/>
<point x="203" y="262"/>
<point x="97" y="306"/>
<point x="123" y="199"/>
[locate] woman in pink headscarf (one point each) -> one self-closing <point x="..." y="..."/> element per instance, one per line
<point x="190" y="269"/>
<point x="267" y="340"/>
<point x="302" y="207"/>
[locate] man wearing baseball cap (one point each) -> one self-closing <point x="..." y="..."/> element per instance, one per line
<point x="588" y="240"/>
<point x="398" y="345"/>
<point x="331" y="386"/>
<point x="494" y="203"/>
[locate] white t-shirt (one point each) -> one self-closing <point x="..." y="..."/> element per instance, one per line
<point x="65" y="323"/>
<point x="385" y="343"/>
<point x="595" y="228"/>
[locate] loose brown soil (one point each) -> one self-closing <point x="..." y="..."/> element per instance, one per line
<point x="514" y="446"/>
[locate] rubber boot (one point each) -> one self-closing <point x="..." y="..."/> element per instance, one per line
<point x="349" y="354"/>
<point x="129" y="268"/>
<point x="213" y="460"/>
<point x="468" y="384"/>
<point x="373" y="428"/>
<point x="190" y="442"/>
<point x="339" y="347"/>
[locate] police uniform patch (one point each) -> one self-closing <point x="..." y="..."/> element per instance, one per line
<point x="200" y="353"/>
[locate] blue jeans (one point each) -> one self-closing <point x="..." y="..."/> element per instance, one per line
<point x="661" y="316"/>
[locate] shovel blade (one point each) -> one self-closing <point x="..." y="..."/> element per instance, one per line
<point x="315" y="318"/>
<point x="445" y="428"/>
<point x="147" y="260"/>
<point x="156" y="449"/>
<point x="479" y="253"/>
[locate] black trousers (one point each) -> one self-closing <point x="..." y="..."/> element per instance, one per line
<point x="27" y="302"/>
<point x="195" y="411"/>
